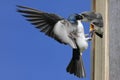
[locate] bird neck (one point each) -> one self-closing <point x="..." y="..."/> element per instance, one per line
<point x="80" y="29"/>
<point x="80" y="26"/>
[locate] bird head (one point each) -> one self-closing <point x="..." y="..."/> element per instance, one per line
<point x="96" y="26"/>
<point x="74" y="17"/>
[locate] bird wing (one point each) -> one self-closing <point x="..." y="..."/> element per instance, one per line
<point x="45" y="22"/>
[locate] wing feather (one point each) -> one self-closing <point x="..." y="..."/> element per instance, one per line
<point x="45" y="22"/>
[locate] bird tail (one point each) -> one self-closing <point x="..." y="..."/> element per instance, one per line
<point x="76" y="66"/>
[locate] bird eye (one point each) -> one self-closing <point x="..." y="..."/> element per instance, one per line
<point x="79" y="17"/>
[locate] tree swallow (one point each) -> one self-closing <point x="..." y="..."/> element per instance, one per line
<point x="66" y="31"/>
<point x="96" y="22"/>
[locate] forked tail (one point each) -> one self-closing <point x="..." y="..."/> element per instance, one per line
<point x="76" y="66"/>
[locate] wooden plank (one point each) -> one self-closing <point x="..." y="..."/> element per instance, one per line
<point x="100" y="47"/>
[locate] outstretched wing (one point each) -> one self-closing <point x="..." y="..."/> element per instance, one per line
<point x="42" y="20"/>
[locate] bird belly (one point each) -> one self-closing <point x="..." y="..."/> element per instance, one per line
<point x="82" y="44"/>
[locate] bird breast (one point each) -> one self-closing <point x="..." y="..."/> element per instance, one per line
<point x="81" y="40"/>
<point x="82" y="44"/>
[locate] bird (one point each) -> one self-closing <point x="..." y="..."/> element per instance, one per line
<point x="96" y="22"/>
<point x="66" y="31"/>
<point x="96" y="26"/>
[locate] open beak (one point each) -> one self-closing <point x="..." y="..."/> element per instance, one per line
<point x="91" y="28"/>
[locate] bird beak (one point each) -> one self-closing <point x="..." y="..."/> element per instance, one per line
<point x="80" y="17"/>
<point x="91" y="28"/>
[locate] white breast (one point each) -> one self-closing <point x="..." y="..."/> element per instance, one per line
<point x="81" y="40"/>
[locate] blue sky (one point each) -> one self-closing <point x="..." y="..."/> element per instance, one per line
<point x="27" y="54"/>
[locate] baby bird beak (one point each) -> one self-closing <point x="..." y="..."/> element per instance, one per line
<point x="91" y="28"/>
